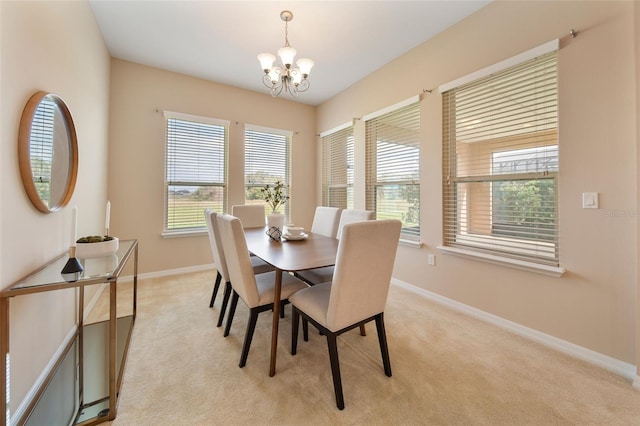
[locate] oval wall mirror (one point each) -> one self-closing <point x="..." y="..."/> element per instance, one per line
<point x="48" y="152"/>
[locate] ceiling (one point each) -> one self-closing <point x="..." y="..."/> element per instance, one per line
<point x="219" y="40"/>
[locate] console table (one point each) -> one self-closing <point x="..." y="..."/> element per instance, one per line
<point x="118" y="329"/>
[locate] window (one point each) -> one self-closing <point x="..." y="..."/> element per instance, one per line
<point x="337" y="168"/>
<point x="267" y="154"/>
<point x="195" y="174"/>
<point x="500" y="162"/>
<point x="393" y="166"/>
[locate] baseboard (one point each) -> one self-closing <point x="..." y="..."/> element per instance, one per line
<point x="616" y="366"/>
<point x="169" y="272"/>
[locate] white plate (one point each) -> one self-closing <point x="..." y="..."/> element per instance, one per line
<point x="295" y="237"/>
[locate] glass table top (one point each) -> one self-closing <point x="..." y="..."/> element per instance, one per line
<point x="97" y="269"/>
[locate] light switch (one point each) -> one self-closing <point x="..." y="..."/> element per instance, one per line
<point x="589" y="200"/>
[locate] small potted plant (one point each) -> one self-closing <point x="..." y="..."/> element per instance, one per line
<point x="275" y="197"/>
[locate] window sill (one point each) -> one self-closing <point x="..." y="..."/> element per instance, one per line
<point x="554" y="271"/>
<point x="180" y="234"/>
<point x="410" y="243"/>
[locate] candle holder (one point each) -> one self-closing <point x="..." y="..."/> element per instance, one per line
<point x="72" y="269"/>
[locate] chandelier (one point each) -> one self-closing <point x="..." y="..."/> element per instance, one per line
<point x="287" y="78"/>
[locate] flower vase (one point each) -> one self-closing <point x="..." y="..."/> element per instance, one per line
<point x="275" y="219"/>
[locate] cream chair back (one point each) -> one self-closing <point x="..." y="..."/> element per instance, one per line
<point x="216" y="244"/>
<point x="362" y="274"/>
<point x="351" y="216"/>
<point x="239" y="265"/>
<point x="325" y="221"/>
<point x="250" y="215"/>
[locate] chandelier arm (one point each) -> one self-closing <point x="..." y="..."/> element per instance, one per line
<point x="266" y="80"/>
<point x="286" y="83"/>
<point x="304" y="85"/>
<point x="292" y="89"/>
<point x="276" y="89"/>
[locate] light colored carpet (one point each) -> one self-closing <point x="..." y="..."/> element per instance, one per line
<point x="448" y="369"/>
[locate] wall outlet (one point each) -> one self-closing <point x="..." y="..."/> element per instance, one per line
<point x="431" y="260"/>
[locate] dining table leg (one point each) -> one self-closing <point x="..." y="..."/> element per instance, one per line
<point x="276" y="321"/>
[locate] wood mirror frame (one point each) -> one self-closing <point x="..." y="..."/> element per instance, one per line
<point x="47" y="152"/>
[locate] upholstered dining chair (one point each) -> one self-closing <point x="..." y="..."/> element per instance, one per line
<point x="219" y="259"/>
<point x="323" y="275"/>
<point x="250" y="215"/>
<point x="357" y="294"/>
<point x="325" y="221"/>
<point x="256" y="291"/>
<point x="351" y="216"/>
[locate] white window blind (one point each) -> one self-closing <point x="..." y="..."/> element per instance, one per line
<point x="337" y="168"/>
<point x="196" y="175"/>
<point x="393" y="167"/>
<point x="500" y="163"/>
<point x="266" y="160"/>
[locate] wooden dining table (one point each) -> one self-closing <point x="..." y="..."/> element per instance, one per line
<point x="315" y="251"/>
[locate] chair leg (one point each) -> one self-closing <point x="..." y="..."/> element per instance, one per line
<point x="232" y="312"/>
<point x="282" y="303"/>
<point x="295" y="320"/>
<point x="225" y="300"/>
<point x="305" y="329"/>
<point x="215" y="289"/>
<point x="251" y="326"/>
<point x="335" y="368"/>
<point x="382" y="338"/>
<point x="363" y="330"/>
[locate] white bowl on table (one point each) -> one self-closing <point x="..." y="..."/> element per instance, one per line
<point x="100" y="249"/>
<point x="294" y="231"/>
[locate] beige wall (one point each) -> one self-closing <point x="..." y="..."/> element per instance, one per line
<point x="594" y="304"/>
<point x="139" y="94"/>
<point x="56" y="47"/>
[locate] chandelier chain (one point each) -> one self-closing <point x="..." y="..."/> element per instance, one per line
<point x="286" y="34"/>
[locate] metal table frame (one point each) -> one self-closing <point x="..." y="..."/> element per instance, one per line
<point x="43" y="280"/>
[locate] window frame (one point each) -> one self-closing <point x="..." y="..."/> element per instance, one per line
<point x="268" y="154"/>
<point x="338" y="170"/>
<point x="494" y="248"/>
<point x="170" y="181"/>
<point x="405" y="112"/>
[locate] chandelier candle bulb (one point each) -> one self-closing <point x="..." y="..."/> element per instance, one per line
<point x="304" y="65"/>
<point x="266" y="61"/>
<point x="287" y="54"/>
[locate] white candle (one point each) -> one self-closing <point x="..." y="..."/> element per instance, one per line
<point x="74" y="225"/>
<point x="108" y="217"/>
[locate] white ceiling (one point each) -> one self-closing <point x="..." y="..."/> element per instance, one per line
<point x="219" y="40"/>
